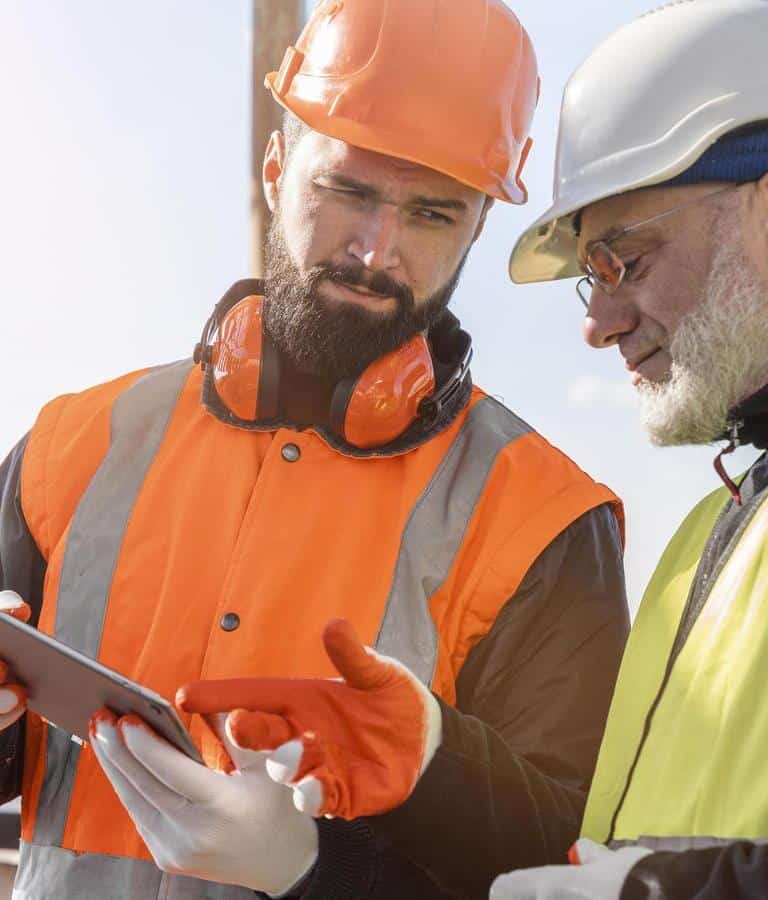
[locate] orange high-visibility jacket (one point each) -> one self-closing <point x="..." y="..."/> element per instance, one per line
<point x="179" y="548"/>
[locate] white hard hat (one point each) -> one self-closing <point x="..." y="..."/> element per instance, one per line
<point x="643" y="108"/>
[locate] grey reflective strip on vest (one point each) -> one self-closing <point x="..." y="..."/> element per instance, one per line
<point x="435" y="531"/>
<point x="139" y="421"/>
<point x="680" y="844"/>
<point x="49" y="872"/>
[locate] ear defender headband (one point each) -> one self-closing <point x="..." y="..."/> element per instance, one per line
<point x="242" y="366"/>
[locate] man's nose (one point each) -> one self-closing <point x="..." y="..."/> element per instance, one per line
<point x="376" y="244"/>
<point x="609" y="318"/>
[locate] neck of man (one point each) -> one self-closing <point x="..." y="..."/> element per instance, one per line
<point x="304" y="399"/>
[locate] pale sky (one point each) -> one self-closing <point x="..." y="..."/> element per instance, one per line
<point x="124" y="193"/>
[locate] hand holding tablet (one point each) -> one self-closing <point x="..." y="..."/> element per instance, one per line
<point x="66" y="687"/>
<point x="12" y="696"/>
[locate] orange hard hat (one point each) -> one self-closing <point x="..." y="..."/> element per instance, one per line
<point x="449" y="84"/>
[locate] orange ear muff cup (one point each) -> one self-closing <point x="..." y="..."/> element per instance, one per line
<point x="244" y="363"/>
<point x="384" y="401"/>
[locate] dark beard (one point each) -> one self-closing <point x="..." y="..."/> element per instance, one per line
<point x="340" y="341"/>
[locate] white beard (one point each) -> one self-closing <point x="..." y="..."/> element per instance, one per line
<point x="719" y="353"/>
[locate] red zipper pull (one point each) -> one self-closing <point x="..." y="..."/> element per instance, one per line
<point x="720" y="466"/>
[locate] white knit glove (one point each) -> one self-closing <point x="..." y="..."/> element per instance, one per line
<point x="597" y="874"/>
<point x="240" y="829"/>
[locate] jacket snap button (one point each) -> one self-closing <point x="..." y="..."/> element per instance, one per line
<point x="230" y="622"/>
<point x="291" y="453"/>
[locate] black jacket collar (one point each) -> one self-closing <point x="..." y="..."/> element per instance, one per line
<point x="749" y="420"/>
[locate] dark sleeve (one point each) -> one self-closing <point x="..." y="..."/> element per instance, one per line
<point x="22" y="569"/>
<point x="508" y="785"/>
<point x="738" y="871"/>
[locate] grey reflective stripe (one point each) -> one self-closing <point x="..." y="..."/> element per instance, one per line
<point x="679" y="844"/>
<point x="48" y="872"/>
<point x="139" y="421"/>
<point x="140" y="418"/>
<point x="434" y="533"/>
<point x="61" y="758"/>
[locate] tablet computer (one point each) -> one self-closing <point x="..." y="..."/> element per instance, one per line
<point x="66" y="687"/>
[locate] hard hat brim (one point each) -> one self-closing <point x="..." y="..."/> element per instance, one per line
<point x="547" y="251"/>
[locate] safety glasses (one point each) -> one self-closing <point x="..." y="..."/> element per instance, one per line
<point x="604" y="266"/>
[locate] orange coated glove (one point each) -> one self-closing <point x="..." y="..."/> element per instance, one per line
<point x="352" y="747"/>
<point x="13" y="697"/>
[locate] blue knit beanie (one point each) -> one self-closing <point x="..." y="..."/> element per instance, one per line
<point x="739" y="156"/>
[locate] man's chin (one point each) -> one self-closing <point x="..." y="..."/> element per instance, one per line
<point x="644" y="383"/>
<point x="681" y="411"/>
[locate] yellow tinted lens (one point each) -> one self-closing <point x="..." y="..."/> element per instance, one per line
<point x="606" y="268"/>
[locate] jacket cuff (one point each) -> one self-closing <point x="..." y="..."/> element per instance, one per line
<point x="643" y="881"/>
<point x="348" y="863"/>
<point x="11" y="760"/>
<point x="735" y="870"/>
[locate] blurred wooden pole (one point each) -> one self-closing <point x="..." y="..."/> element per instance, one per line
<point x="276" y="25"/>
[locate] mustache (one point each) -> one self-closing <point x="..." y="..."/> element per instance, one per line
<point x="359" y="276"/>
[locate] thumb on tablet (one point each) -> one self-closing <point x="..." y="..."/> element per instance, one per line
<point x="13" y="605"/>
<point x="13" y="702"/>
<point x="9" y="718"/>
<point x="12" y="696"/>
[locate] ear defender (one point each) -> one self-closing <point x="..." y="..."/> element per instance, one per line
<point x="245" y="365"/>
<point x="379" y="405"/>
<point x="368" y="411"/>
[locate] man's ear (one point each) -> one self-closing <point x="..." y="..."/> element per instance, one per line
<point x="489" y="201"/>
<point x="754" y="225"/>
<point x="273" y="169"/>
<point x="762" y="193"/>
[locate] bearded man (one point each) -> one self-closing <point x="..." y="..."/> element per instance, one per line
<point x="662" y="203"/>
<point x="327" y="459"/>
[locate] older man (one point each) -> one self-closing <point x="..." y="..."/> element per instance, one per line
<point x="326" y="456"/>
<point x="662" y="206"/>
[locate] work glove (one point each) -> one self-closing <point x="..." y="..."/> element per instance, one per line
<point x="13" y="697"/>
<point x="351" y="747"/>
<point x="239" y="828"/>
<point x="595" y="873"/>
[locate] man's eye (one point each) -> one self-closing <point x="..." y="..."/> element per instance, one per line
<point x="431" y="216"/>
<point x="631" y="267"/>
<point x="348" y="192"/>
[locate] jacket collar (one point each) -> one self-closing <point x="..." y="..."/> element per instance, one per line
<point x="749" y="420"/>
<point x="747" y="424"/>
